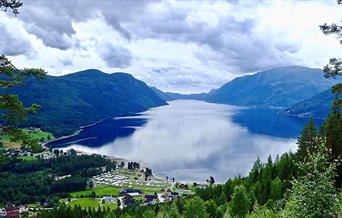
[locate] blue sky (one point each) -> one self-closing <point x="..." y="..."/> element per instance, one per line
<point x="181" y="46"/>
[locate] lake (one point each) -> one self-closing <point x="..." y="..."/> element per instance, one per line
<point x="192" y="140"/>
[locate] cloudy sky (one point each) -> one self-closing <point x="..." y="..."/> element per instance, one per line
<point x="182" y="46"/>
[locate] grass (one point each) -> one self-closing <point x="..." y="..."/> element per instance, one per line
<point x="39" y="134"/>
<point x="34" y="134"/>
<point x="148" y="189"/>
<point x="33" y="205"/>
<point x="93" y="203"/>
<point x="110" y="206"/>
<point x="108" y="190"/>
<point x="27" y="158"/>
<point x="86" y="203"/>
<point x="101" y="190"/>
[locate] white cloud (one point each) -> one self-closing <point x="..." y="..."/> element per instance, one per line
<point x="183" y="46"/>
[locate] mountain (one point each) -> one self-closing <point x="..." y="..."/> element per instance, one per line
<point x="317" y="106"/>
<point x="279" y="87"/>
<point x="163" y="95"/>
<point x="170" y="96"/>
<point x="81" y="98"/>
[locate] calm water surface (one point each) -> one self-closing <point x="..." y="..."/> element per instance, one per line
<point x="192" y="140"/>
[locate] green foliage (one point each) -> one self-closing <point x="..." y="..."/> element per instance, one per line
<point x="334" y="68"/>
<point x="26" y="188"/>
<point x="211" y="208"/>
<point x="240" y="204"/>
<point x="307" y="142"/>
<point x="12" y="110"/>
<point x="74" y="183"/>
<point x="76" y="212"/>
<point x="266" y="183"/>
<point x="168" y="212"/>
<point x="68" y="101"/>
<point x="276" y="189"/>
<point x="313" y="194"/>
<point x="149" y="214"/>
<point x="262" y="212"/>
<point x="195" y="208"/>
<point x="331" y="131"/>
<point x="100" y="191"/>
<point x="24" y="181"/>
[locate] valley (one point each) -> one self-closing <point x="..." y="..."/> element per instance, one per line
<point x="192" y="140"/>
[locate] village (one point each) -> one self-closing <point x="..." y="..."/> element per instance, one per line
<point x="128" y="184"/>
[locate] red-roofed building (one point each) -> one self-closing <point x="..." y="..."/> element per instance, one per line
<point x="12" y="212"/>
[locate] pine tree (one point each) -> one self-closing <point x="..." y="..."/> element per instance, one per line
<point x="332" y="132"/>
<point x="240" y="204"/>
<point x="149" y="214"/>
<point x="276" y="192"/>
<point x="333" y="126"/>
<point x="195" y="208"/>
<point x="262" y="212"/>
<point x="307" y="142"/>
<point x="255" y="172"/>
<point x="211" y="208"/>
<point x="168" y="212"/>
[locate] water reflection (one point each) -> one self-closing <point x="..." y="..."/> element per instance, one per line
<point x="103" y="132"/>
<point x="270" y="122"/>
<point x="192" y="140"/>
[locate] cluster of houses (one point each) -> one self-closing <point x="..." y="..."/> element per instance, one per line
<point x="23" y="152"/>
<point x="18" y="152"/>
<point x="128" y="197"/>
<point x="115" y="178"/>
<point x="109" y="178"/>
<point x="46" y="154"/>
<point x="13" y="211"/>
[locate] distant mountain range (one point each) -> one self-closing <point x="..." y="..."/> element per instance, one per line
<point x="77" y="99"/>
<point x="170" y="96"/>
<point x="74" y="100"/>
<point x="300" y="91"/>
<point x="280" y="87"/>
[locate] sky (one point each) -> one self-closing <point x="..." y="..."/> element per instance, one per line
<point x="178" y="46"/>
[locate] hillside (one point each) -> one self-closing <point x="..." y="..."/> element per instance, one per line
<point x="317" y="106"/>
<point x="70" y="101"/>
<point x="280" y="87"/>
<point x="163" y="95"/>
<point x="170" y="96"/>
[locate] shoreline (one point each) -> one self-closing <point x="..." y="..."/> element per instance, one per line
<point x="76" y="132"/>
<point x="299" y="116"/>
<point x="95" y="123"/>
<point x="101" y="120"/>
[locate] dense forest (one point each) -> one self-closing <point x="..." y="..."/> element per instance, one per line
<point x="32" y="181"/>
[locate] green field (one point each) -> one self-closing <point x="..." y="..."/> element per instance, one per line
<point x="27" y="158"/>
<point x="93" y="203"/>
<point x="148" y="189"/>
<point x="110" y="206"/>
<point x="86" y="203"/>
<point x="100" y="191"/>
<point x="39" y="134"/>
<point x="108" y="190"/>
<point x="34" y="134"/>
